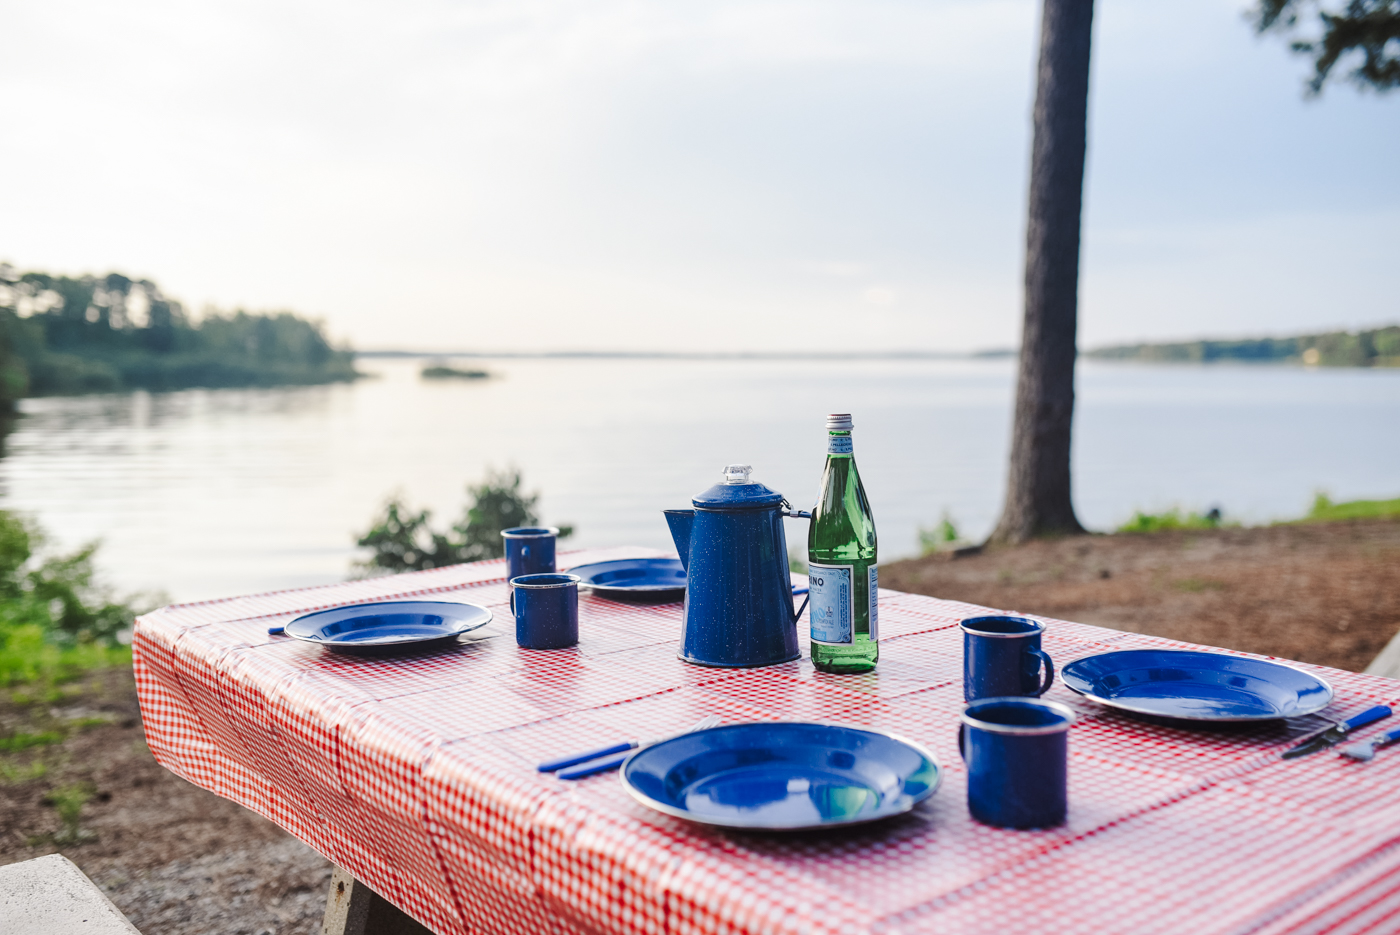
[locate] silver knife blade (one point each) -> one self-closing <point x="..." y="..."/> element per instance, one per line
<point x="1317" y="742"/>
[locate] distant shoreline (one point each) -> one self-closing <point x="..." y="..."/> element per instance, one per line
<point x="1176" y="355"/>
<point x="696" y="355"/>
<point x="1367" y="348"/>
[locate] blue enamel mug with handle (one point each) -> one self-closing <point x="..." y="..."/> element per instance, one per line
<point x="1017" y="756"/>
<point x="529" y="550"/>
<point x="1002" y="657"/>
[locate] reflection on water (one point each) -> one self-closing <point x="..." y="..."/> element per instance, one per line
<point x="206" y="493"/>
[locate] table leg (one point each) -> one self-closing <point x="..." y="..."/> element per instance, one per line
<point x="354" y="909"/>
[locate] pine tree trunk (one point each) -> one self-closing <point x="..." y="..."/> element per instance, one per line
<point x="1038" y="487"/>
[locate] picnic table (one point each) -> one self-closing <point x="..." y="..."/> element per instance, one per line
<point x="416" y="774"/>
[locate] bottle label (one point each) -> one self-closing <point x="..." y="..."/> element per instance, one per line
<point x="838" y="444"/>
<point x="832" y="607"/>
<point x="874" y="604"/>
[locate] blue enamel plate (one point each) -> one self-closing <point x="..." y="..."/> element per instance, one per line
<point x="647" y="579"/>
<point x="388" y="625"/>
<point x="1194" y="686"/>
<point x="781" y="776"/>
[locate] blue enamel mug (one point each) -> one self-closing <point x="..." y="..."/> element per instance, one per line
<point x="529" y="550"/>
<point x="1002" y="657"/>
<point x="546" y="610"/>
<point x="1017" y="756"/>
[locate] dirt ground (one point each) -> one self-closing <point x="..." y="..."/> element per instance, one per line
<point x="177" y="859"/>
<point x="1324" y="593"/>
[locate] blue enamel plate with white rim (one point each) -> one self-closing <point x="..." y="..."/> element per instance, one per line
<point x="1196" y="686"/>
<point x="388" y="626"/>
<point x="647" y="579"/>
<point x="654" y="580"/>
<point x="782" y="776"/>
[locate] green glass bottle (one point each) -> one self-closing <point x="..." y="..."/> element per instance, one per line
<point x="841" y="548"/>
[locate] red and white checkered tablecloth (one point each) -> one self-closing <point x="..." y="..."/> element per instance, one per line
<point x="417" y="775"/>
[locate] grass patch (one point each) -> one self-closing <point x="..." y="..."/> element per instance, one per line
<point x="30" y="657"/>
<point x="1325" y="511"/>
<point x="1174" y="519"/>
<point x="21" y="741"/>
<point x="68" y="801"/>
<point x="44" y="738"/>
<point x="16" y="773"/>
<point x="1198" y="585"/>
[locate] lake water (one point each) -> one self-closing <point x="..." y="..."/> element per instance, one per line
<point x="209" y="493"/>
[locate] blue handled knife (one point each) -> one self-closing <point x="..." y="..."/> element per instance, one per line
<point x="603" y="759"/>
<point x="1337" y="732"/>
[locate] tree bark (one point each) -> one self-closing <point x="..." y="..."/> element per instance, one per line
<point x="1038" y="486"/>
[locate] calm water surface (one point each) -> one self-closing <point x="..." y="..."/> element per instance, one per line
<point x="211" y="493"/>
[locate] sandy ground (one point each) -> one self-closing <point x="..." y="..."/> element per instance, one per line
<point x="177" y="859"/>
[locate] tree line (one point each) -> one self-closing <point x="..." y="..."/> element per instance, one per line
<point x="95" y="334"/>
<point x="1377" y="347"/>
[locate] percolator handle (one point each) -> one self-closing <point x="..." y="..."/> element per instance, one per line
<point x="787" y="510"/>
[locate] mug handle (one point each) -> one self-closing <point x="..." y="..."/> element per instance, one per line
<point x="512" y="596"/>
<point x="1049" y="672"/>
<point x="962" y="752"/>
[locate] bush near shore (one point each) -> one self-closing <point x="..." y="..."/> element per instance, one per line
<point x="56" y="623"/>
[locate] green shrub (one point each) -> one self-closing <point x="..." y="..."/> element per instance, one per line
<point x="940" y="538"/>
<point x="402" y="540"/>
<point x="1325" y="511"/>
<point x="55" y="622"/>
<point x="1173" y="519"/>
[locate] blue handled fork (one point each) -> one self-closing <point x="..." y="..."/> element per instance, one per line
<point x="1366" y="749"/>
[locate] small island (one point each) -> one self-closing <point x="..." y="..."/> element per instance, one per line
<point x="441" y="370"/>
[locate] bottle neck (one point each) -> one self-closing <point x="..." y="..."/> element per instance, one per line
<point x="838" y="445"/>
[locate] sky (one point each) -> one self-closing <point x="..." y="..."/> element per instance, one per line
<point x="711" y="175"/>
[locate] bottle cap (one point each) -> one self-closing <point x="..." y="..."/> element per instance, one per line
<point x="838" y="422"/>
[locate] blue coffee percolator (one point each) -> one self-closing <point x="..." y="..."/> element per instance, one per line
<point x="738" y="597"/>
